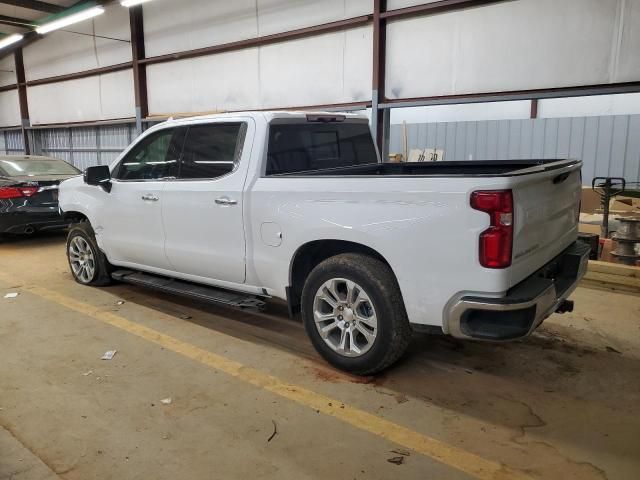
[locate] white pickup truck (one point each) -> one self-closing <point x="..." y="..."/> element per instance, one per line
<point x="237" y="208"/>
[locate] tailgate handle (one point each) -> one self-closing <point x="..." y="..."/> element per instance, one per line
<point x="561" y="178"/>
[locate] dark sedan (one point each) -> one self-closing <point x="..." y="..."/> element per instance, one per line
<point x="29" y="193"/>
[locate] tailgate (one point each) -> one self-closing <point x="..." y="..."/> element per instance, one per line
<point x="547" y="206"/>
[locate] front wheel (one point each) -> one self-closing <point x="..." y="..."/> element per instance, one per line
<point x="354" y="314"/>
<point x="88" y="264"/>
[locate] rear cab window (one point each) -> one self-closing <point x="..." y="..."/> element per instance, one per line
<point x="317" y="145"/>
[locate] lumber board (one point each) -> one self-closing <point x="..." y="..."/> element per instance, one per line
<point x="610" y="287"/>
<point x="609" y="268"/>
<point x="613" y="279"/>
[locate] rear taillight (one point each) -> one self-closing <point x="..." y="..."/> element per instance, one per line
<point x="17" y="192"/>
<point x="496" y="242"/>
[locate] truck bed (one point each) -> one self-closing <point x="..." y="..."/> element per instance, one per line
<point x="474" y="168"/>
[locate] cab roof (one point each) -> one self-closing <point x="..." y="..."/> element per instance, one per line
<point x="268" y="115"/>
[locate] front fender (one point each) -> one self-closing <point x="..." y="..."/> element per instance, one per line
<point x="76" y="197"/>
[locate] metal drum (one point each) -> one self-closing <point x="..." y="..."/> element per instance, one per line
<point x="627" y="240"/>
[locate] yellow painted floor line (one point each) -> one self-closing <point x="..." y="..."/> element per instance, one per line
<point x="457" y="458"/>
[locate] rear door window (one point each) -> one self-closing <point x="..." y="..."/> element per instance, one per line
<point x="299" y="147"/>
<point x="211" y="150"/>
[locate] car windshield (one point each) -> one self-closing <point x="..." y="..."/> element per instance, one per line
<point x="30" y="167"/>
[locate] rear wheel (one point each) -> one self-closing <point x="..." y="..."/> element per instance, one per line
<point x="88" y="264"/>
<point x="354" y="314"/>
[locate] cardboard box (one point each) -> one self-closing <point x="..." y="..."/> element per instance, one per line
<point x="591" y="201"/>
<point x="605" y="254"/>
<point x="589" y="228"/>
<point x="618" y="205"/>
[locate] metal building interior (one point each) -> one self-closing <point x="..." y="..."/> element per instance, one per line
<point x="200" y="390"/>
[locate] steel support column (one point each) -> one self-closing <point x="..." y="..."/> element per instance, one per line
<point x="139" y="69"/>
<point x="534" y="108"/>
<point x="386" y="134"/>
<point x="25" y="123"/>
<point x="379" y="61"/>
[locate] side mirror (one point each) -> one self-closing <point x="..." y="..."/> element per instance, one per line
<point x="100" y="176"/>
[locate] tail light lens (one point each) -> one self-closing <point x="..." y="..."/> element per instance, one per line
<point x="17" y="192"/>
<point x="496" y="242"/>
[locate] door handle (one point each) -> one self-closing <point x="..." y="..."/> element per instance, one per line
<point x="149" y="197"/>
<point x="226" y="201"/>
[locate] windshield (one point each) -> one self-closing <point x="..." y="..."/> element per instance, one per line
<point x="24" y="167"/>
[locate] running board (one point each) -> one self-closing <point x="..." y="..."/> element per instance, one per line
<point x="186" y="289"/>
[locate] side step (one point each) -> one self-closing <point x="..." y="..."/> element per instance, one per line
<point x="187" y="289"/>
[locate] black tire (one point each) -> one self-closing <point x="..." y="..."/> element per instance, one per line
<point x="378" y="281"/>
<point x="103" y="269"/>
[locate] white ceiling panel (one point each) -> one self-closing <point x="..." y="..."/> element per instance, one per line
<point x="626" y="67"/>
<point x="7" y="71"/>
<point x="516" y="45"/>
<point x="63" y="52"/>
<point x="396" y="4"/>
<point x="190" y="24"/>
<point x="229" y="81"/>
<point x="101" y="97"/>
<point x="9" y="109"/>
<point x="275" y="16"/>
<point x="330" y="68"/>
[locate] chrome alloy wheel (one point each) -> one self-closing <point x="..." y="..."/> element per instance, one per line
<point x="81" y="258"/>
<point x="345" y="317"/>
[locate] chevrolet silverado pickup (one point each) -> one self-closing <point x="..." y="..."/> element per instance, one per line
<point x="238" y="208"/>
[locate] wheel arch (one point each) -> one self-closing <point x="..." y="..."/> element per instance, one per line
<point x="76" y="217"/>
<point x="312" y="253"/>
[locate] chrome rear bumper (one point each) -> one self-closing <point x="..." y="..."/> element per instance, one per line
<point x="524" y="307"/>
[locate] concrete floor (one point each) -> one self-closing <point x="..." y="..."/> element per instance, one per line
<point x="562" y="404"/>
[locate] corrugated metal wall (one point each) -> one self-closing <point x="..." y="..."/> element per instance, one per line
<point x="11" y="142"/>
<point x="80" y="146"/>
<point x="608" y="145"/>
<point x="84" y="146"/>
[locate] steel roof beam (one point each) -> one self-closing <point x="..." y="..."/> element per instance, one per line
<point x="35" y="5"/>
<point x="16" y="22"/>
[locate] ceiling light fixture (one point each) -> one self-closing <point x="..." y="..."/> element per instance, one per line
<point x="132" y="3"/>
<point x="11" y="39"/>
<point x="69" y="20"/>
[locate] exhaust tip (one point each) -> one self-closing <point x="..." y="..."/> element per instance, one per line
<point x="29" y="230"/>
